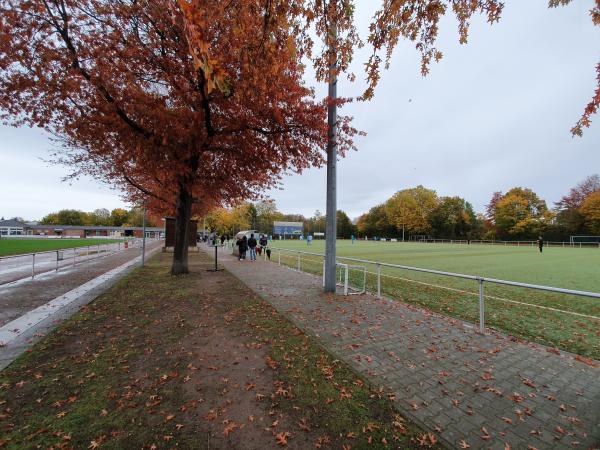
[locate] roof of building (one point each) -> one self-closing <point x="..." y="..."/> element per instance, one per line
<point x="91" y="228"/>
<point x="12" y="223"/>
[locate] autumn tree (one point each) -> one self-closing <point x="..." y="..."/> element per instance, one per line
<point x="590" y="210"/>
<point x="66" y="217"/>
<point x="569" y="206"/>
<point x="520" y="213"/>
<point x="409" y="210"/>
<point x="345" y="227"/>
<point x="118" y="217"/>
<point x="100" y="216"/>
<point x="375" y="223"/>
<point x="165" y="101"/>
<point x="453" y="218"/>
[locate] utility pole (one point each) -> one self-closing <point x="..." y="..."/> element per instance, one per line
<point x="143" y="236"/>
<point x="331" y="211"/>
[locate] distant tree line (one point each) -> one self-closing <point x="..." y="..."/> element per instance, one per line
<point x="100" y="217"/>
<point x="517" y="214"/>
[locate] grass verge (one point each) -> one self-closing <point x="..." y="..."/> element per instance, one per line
<point x="190" y="362"/>
<point x="29" y="245"/>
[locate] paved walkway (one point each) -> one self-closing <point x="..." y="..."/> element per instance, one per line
<point x="487" y="391"/>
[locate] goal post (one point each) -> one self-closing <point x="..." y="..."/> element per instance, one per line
<point x="351" y="278"/>
<point x="584" y="239"/>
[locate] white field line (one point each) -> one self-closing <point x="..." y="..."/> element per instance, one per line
<point x="476" y="294"/>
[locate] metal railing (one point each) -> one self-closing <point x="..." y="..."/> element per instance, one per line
<point x="478" y="279"/>
<point x="565" y="244"/>
<point x="79" y="254"/>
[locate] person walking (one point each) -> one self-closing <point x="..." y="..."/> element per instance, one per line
<point x="252" y="246"/>
<point x="222" y="239"/>
<point x="540" y="243"/>
<point x="242" y="243"/>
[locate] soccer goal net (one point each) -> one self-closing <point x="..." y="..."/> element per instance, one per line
<point x="584" y="239"/>
<point x="351" y="278"/>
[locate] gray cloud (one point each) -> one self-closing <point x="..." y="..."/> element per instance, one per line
<point x="493" y="114"/>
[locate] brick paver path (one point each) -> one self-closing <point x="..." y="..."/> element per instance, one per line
<point x="487" y="391"/>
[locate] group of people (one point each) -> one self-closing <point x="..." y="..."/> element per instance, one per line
<point x="255" y="247"/>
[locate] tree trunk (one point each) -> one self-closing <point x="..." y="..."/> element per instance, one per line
<point x="183" y="215"/>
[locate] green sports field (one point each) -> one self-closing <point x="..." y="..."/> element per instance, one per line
<point x="569" y="322"/>
<point x="30" y="245"/>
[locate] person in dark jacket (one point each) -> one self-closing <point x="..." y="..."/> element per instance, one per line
<point x="243" y="246"/>
<point x="222" y="239"/>
<point x="540" y="243"/>
<point x="252" y="246"/>
<point x="263" y="241"/>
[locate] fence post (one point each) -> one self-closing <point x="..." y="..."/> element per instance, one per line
<point x="298" y="261"/>
<point x="279" y="257"/>
<point x="323" y="272"/>
<point x="74" y="254"/>
<point x="378" y="280"/>
<point x="346" y="281"/>
<point x="32" y="265"/>
<point x="481" y="307"/>
<point x="57" y="260"/>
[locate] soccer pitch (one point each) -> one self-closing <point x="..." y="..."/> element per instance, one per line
<point x="565" y="321"/>
<point x="31" y="245"/>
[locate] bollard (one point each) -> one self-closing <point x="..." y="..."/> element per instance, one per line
<point x="74" y="254"/>
<point x="32" y="265"/>
<point x="279" y="256"/>
<point x="378" y="280"/>
<point x="323" y="272"/>
<point x="57" y="260"/>
<point x="481" y="307"/>
<point x="298" y="261"/>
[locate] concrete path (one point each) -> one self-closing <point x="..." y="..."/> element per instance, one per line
<point x="39" y="312"/>
<point x="18" y="297"/>
<point x="471" y="390"/>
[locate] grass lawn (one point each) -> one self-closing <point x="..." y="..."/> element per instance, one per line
<point x="192" y="362"/>
<point x="30" y="245"/>
<point x="518" y="311"/>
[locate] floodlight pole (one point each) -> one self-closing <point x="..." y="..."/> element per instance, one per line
<point x="331" y="211"/>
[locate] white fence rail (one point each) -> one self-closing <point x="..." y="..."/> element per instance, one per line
<point x="565" y="244"/>
<point x="481" y="281"/>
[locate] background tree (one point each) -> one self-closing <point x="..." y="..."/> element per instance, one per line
<point x="100" y="216"/>
<point x="66" y="217"/>
<point x="118" y="217"/>
<point x="569" y="216"/>
<point x="375" y="223"/>
<point x="590" y="210"/>
<point x="521" y="214"/>
<point x="452" y="218"/>
<point x="345" y="227"/>
<point x="409" y="210"/>
<point x="267" y="213"/>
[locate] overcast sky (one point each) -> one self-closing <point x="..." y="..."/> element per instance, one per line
<point x="493" y="114"/>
